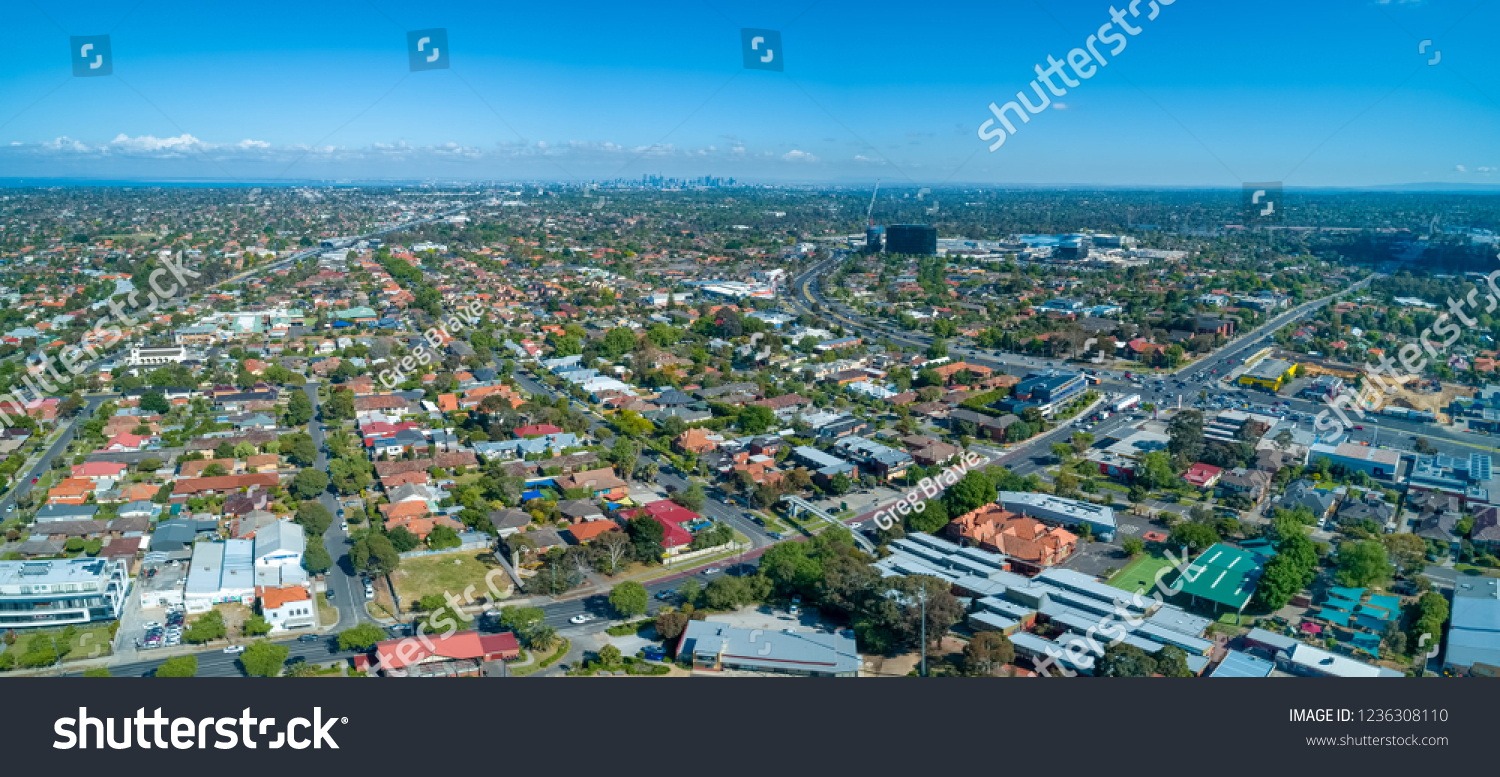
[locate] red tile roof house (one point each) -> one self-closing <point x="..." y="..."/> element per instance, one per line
<point x="99" y="470"/>
<point x="600" y="483"/>
<point x="460" y="654"/>
<point x="671" y="516"/>
<point x="535" y="430"/>
<point x="1203" y="475"/>
<point x="126" y="443"/>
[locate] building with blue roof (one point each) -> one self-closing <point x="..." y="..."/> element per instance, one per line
<point x="1474" y="627"/>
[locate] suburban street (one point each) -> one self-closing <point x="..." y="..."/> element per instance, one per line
<point x="348" y="590"/>
<point x="23" y="482"/>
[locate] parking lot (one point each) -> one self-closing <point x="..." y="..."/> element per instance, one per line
<point x="160" y="587"/>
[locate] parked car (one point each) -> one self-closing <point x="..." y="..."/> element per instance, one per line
<point x="328" y="594"/>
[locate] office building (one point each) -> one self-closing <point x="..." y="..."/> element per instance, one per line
<point x="61" y="592"/>
<point x="918" y="239"/>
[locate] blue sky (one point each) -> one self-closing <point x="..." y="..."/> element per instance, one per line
<point x="1311" y="92"/>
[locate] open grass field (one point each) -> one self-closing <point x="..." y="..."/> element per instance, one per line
<point x="451" y="572"/>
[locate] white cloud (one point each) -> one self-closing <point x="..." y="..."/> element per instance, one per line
<point x="798" y="156"/>
<point x="1459" y="168"/>
<point x="1059" y="106"/>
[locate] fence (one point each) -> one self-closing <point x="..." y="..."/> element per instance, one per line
<point x="479" y="544"/>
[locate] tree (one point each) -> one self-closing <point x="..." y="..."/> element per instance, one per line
<point x="614" y="546"/>
<point x="986" y="653"/>
<point x="299" y="409"/>
<point x="255" y="626"/>
<point x="970" y="493"/>
<point x="645" y="538"/>
<point x="542" y="638"/>
<point x="97" y="671"/>
<point x="374" y="553"/>
<point x="340" y="405"/>
<point x="931" y="519"/>
<point x="1132" y="546"/>
<point x="209" y="626"/>
<point x="1196" y="536"/>
<point x="181" y="666"/>
<point x="670" y="625"/>
<point x="629" y="599"/>
<point x="215" y="470"/>
<point x="1408" y="551"/>
<point x="155" y="402"/>
<point x="1362" y="564"/>
<point x="316" y="559"/>
<point x="315" y="518"/>
<point x="303" y="452"/>
<point x="609" y="655"/>
<point x="244" y="450"/>
<point x="309" y="483"/>
<point x="756" y="419"/>
<point x="403" y="540"/>
<point x="361" y="637"/>
<point x="1062" y="451"/>
<point x="691" y="497"/>
<point x="690" y="591"/>
<point x="1124" y="660"/>
<point x="264" y="659"/>
<point x="1186" y="433"/>
<point x="443" y="537"/>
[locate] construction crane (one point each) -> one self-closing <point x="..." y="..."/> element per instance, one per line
<point x="870" y="212"/>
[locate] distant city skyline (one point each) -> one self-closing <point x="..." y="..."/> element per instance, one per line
<point x="1315" y="95"/>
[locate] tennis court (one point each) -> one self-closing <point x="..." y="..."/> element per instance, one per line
<point x="1140" y="574"/>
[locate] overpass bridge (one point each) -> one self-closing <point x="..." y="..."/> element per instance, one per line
<point x="797" y="505"/>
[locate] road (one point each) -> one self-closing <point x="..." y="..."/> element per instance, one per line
<point x="23" y="484"/>
<point x="348" y="589"/>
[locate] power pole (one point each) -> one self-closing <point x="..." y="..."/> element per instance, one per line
<point x="924" y="629"/>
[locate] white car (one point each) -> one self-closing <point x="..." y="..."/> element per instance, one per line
<point x="577" y="619"/>
<point x="235" y="649"/>
<point x="151" y="625"/>
<point x="344" y="526"/>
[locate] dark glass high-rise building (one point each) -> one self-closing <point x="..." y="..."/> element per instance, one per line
<point x="874" y="239"/>
<point x="920" y="239"/>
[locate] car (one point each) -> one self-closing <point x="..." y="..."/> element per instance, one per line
<point x="307" y="638"/>
<point x="1359" y="428"/>
<point x="711" y="571"/>
<point x="34" y="480"/>
<point x="794" y="611"/>
<point x="664" y="595"/>
<point x="151" y="625"/>
<point x="235" y="649"/>
<point x="343" y="526"/>
<point x="653" y="653"/>
<point x="580" y="618"/>
<point x="328" y="594"/>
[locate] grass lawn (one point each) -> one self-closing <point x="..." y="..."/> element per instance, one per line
<point x="1470" y="569"/>
<point x="88" y="643"/>
<point x="541" y="661"/>
<point x="452" y="572"/>
<point x="1140" y="574"/>
<point x="328" y="615"/>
